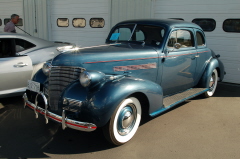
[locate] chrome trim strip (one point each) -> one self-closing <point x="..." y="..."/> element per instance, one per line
<point x="74" y="124"/>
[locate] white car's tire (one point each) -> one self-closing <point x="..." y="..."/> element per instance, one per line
<point x="124" y="122"/>
<point x="212" y="84"/>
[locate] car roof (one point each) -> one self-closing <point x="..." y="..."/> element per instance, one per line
<point x="35" y="40"/>
<point x="162" y="22"/>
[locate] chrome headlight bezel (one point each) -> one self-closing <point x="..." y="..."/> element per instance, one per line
<point x="85" y="78"/>
<point x="91" y="78"/>
<point x="46" y="68"/>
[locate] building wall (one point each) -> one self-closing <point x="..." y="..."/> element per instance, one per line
<point x="224" y="43"/>
<point x="40" y="19"/>
<point x="130" y="9"/>
<point x="35" y="13"/>
<point x="71" y="9"/>
<point x="8" y="8"/>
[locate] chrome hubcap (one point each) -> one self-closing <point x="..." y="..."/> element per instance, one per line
<point x="126" y="119"/>
<point x="212" y="82"/>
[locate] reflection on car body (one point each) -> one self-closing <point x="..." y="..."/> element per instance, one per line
<point x="21" y="56"/>
<point x="146" y="67"/>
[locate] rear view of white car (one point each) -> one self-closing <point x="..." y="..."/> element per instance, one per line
<point x="21" y="56"/>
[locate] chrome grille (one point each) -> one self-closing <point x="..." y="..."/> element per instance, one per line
<point x="59" y="79"/>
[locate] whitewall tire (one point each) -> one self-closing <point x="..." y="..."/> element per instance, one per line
<point x="124" y="122"/>
<point x="212" y="84"/>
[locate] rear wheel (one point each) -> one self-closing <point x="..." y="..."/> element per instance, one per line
<point x="212" y="84"/>
<point x="124" y="122"/>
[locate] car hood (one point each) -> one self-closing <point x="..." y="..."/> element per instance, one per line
<point x="105" y="57"/>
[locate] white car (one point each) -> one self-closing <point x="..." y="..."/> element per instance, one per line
<point x="21" y="56"/>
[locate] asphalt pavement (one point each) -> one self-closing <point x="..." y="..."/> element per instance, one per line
<point x="200" y="128"/>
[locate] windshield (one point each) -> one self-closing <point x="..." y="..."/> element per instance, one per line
<point x="144" y="34"/>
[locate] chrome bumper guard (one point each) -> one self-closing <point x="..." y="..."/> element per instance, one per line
<point x="77" y="125"/>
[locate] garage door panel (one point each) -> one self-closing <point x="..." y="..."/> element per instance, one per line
<point x="87" y="35"/>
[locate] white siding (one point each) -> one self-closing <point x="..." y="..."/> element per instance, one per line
<point x="35" y="13"/>
<point x="130" y="9"/>
<point x="223" y="43"/>
<point x="71" y="9"/>
<point x="7" y="8"/>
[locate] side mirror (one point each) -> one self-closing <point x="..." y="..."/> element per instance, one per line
<point x="177" y="45"/>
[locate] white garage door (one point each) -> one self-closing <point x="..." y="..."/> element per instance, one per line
<point x="82" y="22"/>
<point x="130" y="9"/>
<point x="226" y="43"/>
<point x="8" y="8"/>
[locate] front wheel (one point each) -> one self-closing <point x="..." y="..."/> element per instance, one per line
<point x="124" y="122"/>
<point x="212" y="84"/>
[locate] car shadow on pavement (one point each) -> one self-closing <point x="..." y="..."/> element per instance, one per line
<point x="24" y="136"/>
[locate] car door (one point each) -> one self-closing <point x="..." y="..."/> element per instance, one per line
<point x="203" y="52"/>
<point x="14" y="70"/>
<point x="179" y="64"/>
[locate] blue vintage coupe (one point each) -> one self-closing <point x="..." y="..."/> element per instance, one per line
<point x="145" y="68"/>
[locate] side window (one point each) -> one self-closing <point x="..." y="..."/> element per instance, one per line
<point x="22" y="45"/>
<point x="0" y="22"/>
<point x="200" y="39"/>
<point x="183" y="37"/>
<point x="6" y="48"/>
<point x="62" y="22"/>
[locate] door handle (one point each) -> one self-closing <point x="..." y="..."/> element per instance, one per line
<point x="20" y="64"/>
<point x="194" y="57"/>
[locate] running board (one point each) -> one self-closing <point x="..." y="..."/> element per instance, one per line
<point x="171" y="101"/>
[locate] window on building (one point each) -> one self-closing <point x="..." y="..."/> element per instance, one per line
<point x="79" y="22"/>
<point x="0" y="22"/>
<point x="62" y="22"/>
<point x="231" y="25"/>
<point x="183" y="37"/>
<point x="200" y="39"/>
<point x="177" y="19"/>
<point x="205" y="24"/>
<point x="97" y="22"/>
<point x="20" y="21"/>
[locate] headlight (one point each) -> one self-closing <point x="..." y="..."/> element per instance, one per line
<point x="66" y="48"/>
<point x="92" y="78"/>
<point x="85" y="79"/>
<point x="46" y="68"/>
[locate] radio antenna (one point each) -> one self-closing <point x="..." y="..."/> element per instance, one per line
<point x="23" y="30"/>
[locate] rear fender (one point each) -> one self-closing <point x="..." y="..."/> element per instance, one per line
<point x="204" y="81"/>
<point x="100" y="102"/>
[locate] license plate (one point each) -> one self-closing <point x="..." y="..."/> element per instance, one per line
<point x="33" y="86"/>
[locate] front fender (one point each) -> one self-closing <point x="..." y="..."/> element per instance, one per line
<point x="39" y="77"/>
<point x="100" y="102"/>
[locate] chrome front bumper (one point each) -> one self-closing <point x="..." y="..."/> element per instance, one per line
<point x="82" y="126"/>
